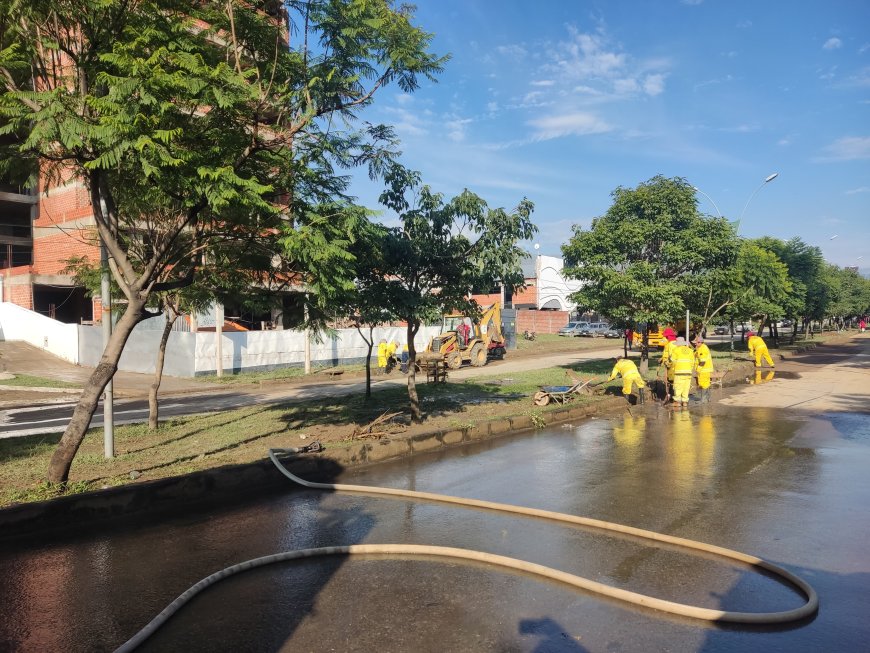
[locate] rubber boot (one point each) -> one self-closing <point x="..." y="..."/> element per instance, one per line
<point x="641" y="396"/>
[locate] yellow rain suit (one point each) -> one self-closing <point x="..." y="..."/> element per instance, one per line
<point x="704" y="365"/>
<point x="683" y="364"/>
<point x="667" y="355"/>
<point x="758" y="348"/>
<point x="383" y="354"/>
<point x="628" y="371"/>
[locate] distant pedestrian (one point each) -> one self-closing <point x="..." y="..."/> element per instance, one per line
<point x="862" y="325"/>
<point x="629" y="337"/>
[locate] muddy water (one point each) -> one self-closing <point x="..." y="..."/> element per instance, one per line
<point x="782" y="486"/>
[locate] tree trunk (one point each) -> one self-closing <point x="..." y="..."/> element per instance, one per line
<point x="61" y="459"/>
<point x="644" y="351"/>
<point x="416" y="413"/>
<point x="153" y="408"/>
<point x="370" y="341"/>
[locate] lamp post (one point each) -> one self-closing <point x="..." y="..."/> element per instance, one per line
<point x="698" y="190"/>
<point x="767" y="180"/>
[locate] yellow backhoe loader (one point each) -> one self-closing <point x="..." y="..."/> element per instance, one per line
<point x="461" y="339"/>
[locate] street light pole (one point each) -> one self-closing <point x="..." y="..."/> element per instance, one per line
<point x="698" y="190"/>
<point x="767" y="180"/>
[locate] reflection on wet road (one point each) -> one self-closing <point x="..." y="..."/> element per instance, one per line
<point x="791" y="489"/>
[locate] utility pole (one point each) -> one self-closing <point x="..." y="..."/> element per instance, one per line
<point x="108" y="394"/>
<point x="219" y="336"/>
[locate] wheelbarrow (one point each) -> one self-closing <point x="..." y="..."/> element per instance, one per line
<point x="560" y="394"/>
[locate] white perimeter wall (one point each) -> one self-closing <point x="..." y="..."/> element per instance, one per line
<point x="17" y="323"/>
<point x="140" y="352"/>
<point x="189" y="354"/>
<point x="263" y="350"/>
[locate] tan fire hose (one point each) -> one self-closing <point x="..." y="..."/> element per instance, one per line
<point x="705" y="614"/>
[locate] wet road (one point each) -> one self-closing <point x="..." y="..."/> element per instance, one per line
<point x="791" y="489"/>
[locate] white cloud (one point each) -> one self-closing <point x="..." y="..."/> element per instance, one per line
<point x="515" y="51"/>
<point x="568" y="124"/>
<point x="406" y="122"/>
<point x="542" y="82"/>
<point x="404" y="98"/>
<point x="625" y="86"/>
<point x="654" y="84"/>
<point x="860" y="189"/>
<point x="744" y="24"/>
<point x="692" y="2"/>
<point x="832" y="43"/>
<point x="456" y="129"/>
<point x="741" y="129"/>
<point x="588" y="90"/>
<point x="847" y="149"/>
<point x="585" y="55"/>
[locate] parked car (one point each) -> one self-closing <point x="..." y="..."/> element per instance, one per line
<point x="743" y="326"/>
<point x="614" y="333"/>
<point x="721" y="330"/>
<point x="573" y="328"/>
<point x="594" y="329"/>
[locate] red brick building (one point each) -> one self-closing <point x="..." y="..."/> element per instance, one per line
<point x="40" y="230"/>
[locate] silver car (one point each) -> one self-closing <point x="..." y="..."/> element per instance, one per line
<point x="595" y="329"/>
<point x="573" y="328"/>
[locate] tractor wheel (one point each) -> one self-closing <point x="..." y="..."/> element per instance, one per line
<point x="541" y="398"/>
<point x="454" y="360"/>
<point x="478" y="355"/>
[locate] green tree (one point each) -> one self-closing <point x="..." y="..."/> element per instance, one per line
<point x="805" y="267"/>
<point x="650" y="255"/>
<point x="442" y="249"/>
<point x="763" y="287"/>
<point x="207" y="125"/>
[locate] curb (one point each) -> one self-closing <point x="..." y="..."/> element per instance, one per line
<point x="232" y="483"/>
<point x="222" y="486"/>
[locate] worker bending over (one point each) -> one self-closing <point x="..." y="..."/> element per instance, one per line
<point x="628" y="371"/>
<point x="758" y="348"/>
<point x="683" y="363"/>
<point x="704" y="366"/>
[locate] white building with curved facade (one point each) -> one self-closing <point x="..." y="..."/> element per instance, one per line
<point x="553" y="289"/>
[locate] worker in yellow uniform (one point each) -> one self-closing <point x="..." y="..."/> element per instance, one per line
<point x="383" y="354"/>
<point x="628" y="371"/>
<point x="666" y="359"/>
<point x="704" y="365"/>
<point x="758" y="348"/>
<point x="683" y="363"/>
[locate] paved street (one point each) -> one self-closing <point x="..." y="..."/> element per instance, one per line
<point x="757" y="471"/>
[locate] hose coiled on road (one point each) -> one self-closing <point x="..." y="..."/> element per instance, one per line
<point x="809" y="608"/>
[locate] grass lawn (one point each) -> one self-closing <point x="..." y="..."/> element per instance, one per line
<point x="25" y="381"/>
<point x="188" y="444"/>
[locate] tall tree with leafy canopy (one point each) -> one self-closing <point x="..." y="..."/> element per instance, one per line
<point x="806" y="270"/>
<point x="648" y="255"/>
<point x="206" y="123"/>
<point x="428" y="265"/>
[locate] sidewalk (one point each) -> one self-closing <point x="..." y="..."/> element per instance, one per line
<point x="835" y="378"/>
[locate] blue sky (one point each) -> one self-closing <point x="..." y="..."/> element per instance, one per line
<point x="562" y="101"/>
